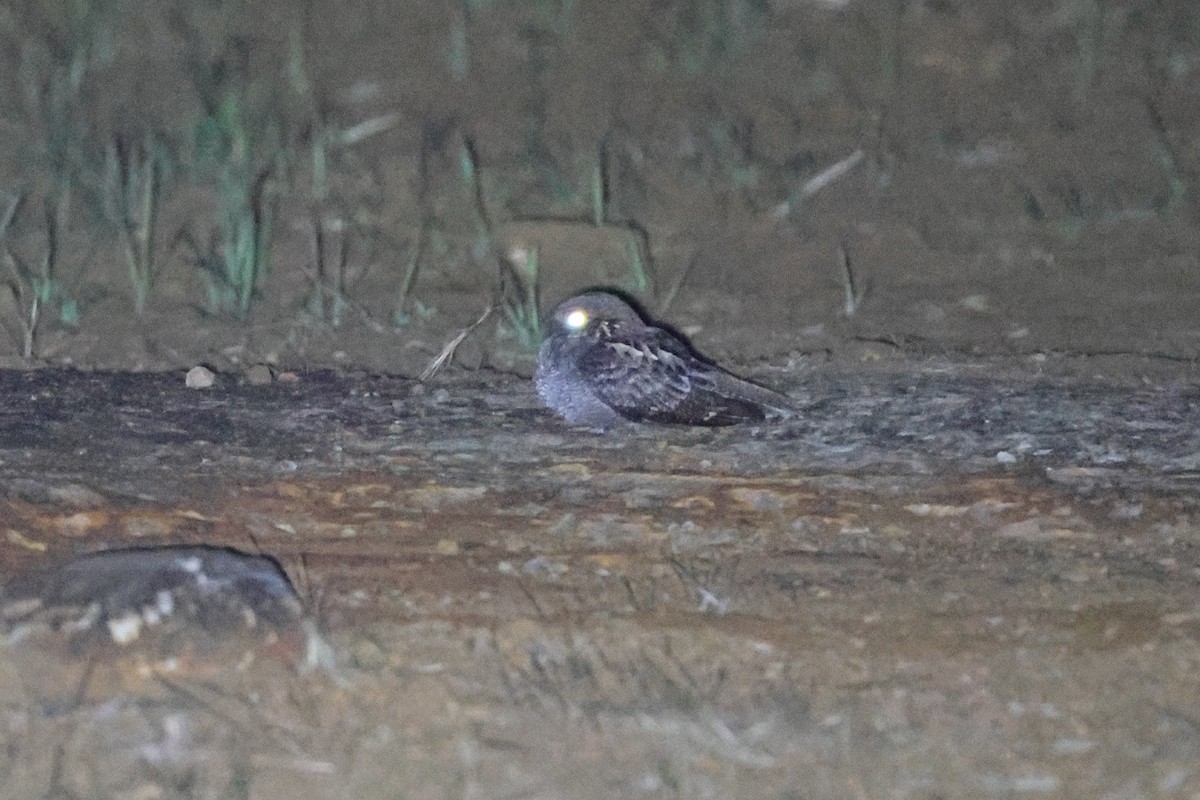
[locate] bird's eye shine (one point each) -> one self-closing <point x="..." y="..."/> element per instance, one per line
<point x="576" y="319"/>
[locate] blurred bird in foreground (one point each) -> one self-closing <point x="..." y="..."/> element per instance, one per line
<point x="602" y="364"/>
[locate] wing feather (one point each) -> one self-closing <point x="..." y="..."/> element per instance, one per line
<point x="649" y="375"/>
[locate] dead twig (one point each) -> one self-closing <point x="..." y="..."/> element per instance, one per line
<point x="817" y="183"/>
<point x="452" y="345"/>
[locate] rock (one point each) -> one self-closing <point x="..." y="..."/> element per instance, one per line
<point x="259" y="375"/>
<point x="200" y="377"/>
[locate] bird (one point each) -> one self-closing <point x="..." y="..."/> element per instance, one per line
<point x="602" y="364"/>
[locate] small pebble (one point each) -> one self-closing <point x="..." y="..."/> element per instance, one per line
<point x="259" y="375"/>
<point x="200" y="377"/>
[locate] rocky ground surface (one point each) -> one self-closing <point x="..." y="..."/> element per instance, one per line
<point x="941" y="581"/>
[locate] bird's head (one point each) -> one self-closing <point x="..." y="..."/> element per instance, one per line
<point x="592" y="312"/>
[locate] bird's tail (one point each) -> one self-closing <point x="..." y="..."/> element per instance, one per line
<point x="772" y="402"/>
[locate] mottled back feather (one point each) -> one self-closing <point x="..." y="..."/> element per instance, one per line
<point x="648" y="375"/>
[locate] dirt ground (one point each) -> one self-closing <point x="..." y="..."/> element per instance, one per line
<point x="964" y="236"/>
<point x="951" y="587"/>
<point x="1024" y="182"/>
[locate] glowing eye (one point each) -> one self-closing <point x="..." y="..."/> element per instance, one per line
<point x="577" y="320"/>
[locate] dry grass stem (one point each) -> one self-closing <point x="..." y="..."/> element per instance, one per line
<point x="452" y="345"/>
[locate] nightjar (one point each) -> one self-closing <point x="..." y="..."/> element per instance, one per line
<point x="601" y="364"/>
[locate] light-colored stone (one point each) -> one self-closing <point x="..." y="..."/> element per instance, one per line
<point x="200" y="377"/>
